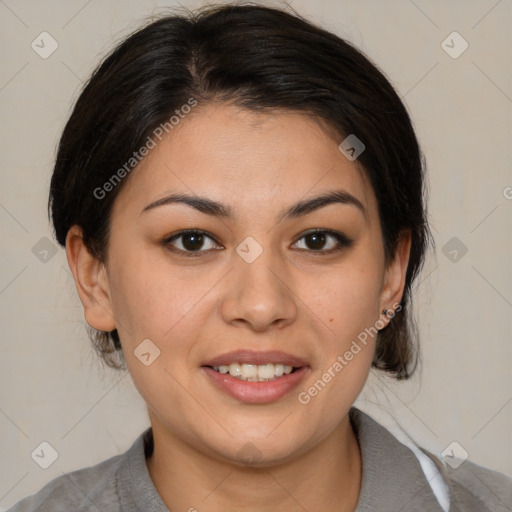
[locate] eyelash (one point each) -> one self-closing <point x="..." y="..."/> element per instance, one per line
<point x="343" y="241"/>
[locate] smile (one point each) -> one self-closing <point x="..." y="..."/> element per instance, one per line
<point x="256" y="377"/>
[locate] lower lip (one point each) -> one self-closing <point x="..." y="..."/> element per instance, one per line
<point x="256" y="392"/>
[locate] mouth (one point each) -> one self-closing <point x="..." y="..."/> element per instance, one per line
<point x="256" y="377"/>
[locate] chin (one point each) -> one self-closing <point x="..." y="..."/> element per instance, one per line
<point x="259" y="452"/>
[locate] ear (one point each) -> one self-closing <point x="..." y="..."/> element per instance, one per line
<point x="91" y="282"/>
<point x="394" y="278"/>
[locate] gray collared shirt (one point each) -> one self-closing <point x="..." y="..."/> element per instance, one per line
<point x="392" y="481"/>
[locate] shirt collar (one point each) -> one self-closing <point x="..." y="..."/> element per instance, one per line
<point x="392" y="477"/>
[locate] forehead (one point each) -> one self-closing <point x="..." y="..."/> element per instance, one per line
<point x="246" y="159"/>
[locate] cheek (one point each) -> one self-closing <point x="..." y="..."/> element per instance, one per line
<point x="151" y="303"/>
<point x="348" y="304"/>
<point x="346" y="299"/>
<point x="150" y="300"/>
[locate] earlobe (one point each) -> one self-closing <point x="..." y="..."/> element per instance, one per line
<point x="91" y="282"/>
<point x="394" y="281"/>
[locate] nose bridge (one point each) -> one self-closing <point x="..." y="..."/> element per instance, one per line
<point x="258" y="293"/>
<point x="258" y="269"/>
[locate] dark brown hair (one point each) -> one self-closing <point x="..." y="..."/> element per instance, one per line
<point x="263" y="59"/>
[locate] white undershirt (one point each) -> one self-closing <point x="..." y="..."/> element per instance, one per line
<point x="436" y="481"/>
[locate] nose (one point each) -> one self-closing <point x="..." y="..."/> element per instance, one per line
<point x="259" y="295"/>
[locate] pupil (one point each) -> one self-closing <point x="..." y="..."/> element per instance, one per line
<point x="195" y="239"/>
<point x="318" y="240"/>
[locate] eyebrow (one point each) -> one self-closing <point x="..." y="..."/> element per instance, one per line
<point x="214" y="208"/>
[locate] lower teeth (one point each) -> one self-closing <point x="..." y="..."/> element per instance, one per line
<point x="249" y="379"/>
<point x="254" y="379"/>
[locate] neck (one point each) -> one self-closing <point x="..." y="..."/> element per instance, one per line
<point x="327" y="477"/>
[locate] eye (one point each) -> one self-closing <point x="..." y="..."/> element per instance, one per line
<point x="190" y="242"/>
<point x="193" y="242"/>
<point x="317" y="240"/>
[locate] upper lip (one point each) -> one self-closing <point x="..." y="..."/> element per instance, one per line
<point x="256" y="357"/>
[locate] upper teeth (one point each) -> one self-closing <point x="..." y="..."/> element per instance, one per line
<point x="254" y="372"/>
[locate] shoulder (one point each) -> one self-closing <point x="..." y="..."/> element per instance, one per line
<point x="423" y="480"/>
<point x="86" y="489"/>
<point x="474" y="485"/>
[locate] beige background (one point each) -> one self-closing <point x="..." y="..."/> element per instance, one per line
<point x="51" y="386"/>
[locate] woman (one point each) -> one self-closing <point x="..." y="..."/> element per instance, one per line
<point x="240" y="196"/>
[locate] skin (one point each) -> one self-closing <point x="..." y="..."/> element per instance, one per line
<point x="291" y="298"/>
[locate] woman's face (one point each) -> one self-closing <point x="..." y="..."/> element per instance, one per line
<point x="257" y="283"/>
